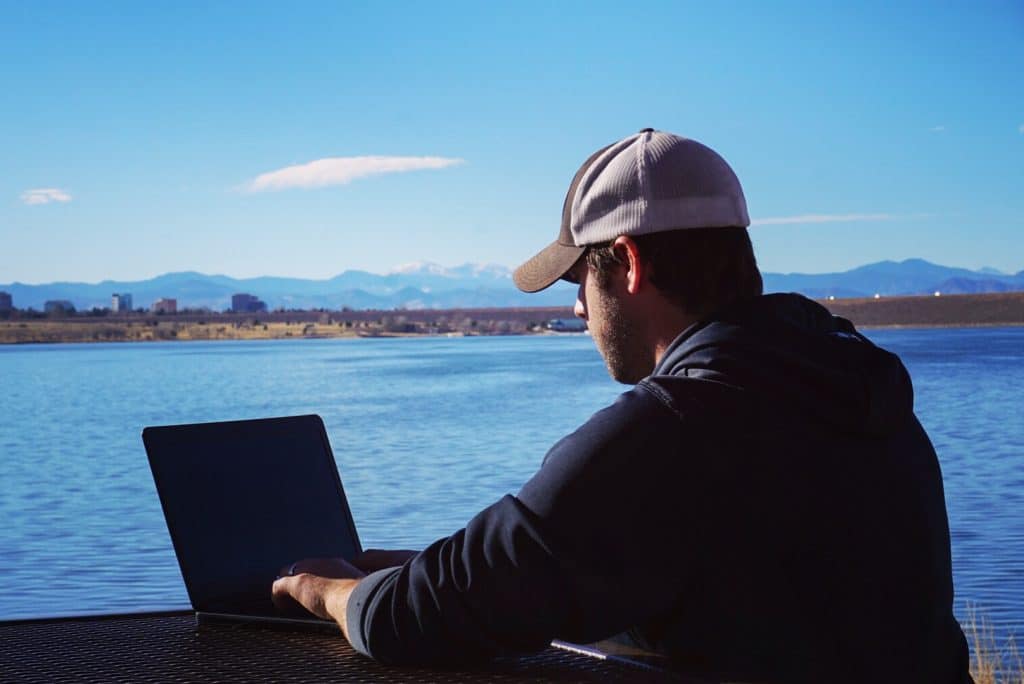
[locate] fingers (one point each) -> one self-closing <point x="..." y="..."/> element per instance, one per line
<point x="281" y="595"/>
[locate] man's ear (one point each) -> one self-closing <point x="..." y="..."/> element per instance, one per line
<point x="628" y="254"/>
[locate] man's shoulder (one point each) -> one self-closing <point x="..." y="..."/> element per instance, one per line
<point x="655" y="403"/>
<point x="653" y="416"/>
<point x="690" y="397"/>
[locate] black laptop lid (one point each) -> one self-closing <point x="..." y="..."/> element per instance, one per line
<point x="244" y="498"/>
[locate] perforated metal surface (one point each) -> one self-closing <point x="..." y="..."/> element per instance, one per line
<point x="170" y="648"/>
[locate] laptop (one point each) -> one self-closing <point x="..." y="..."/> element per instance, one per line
<point x="244" y="499"/>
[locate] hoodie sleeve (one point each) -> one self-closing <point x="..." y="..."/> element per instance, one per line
<point x="488" y="589"/>
<point x="563" y="559"/>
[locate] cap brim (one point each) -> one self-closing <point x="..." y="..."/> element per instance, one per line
<point x="550" y="264"/>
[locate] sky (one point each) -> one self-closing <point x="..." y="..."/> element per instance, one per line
<point x="304" y="139"/>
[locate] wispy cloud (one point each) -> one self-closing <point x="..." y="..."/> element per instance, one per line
<point x="830" y="218"/>
<point x="1021" y="129"/>
<point x="937" y="129"/>
<point x="44" y="196"/>
<point x="342" y="170"/>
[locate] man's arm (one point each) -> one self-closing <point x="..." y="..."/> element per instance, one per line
<point x="323" y="585"/>
<point x="325" y="597"/>
<point x="488" y="589"/>
<point x="568" y="557"/>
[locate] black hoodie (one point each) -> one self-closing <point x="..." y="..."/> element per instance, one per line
<point x="764" y="507"/>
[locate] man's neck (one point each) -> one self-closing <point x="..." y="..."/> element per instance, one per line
<point x="666" y="327"/>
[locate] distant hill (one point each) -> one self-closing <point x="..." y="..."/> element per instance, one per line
<point x="430" y="286"/>
<point x="891" y="278"/>
<point x="912" y="276"/>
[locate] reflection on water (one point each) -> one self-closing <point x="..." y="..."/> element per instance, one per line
<point x="426" y="432"/>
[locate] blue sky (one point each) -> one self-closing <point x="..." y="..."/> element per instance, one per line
<point x="142" y="138"/>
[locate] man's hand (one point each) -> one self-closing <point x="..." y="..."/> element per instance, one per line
<point x="320" y="585"/>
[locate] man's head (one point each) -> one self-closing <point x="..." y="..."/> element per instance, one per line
<point x="654" y="231"/>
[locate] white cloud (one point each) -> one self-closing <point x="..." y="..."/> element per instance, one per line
<point x="342" y="170"/>
<point x="937" y="129"/>
<point x="825" y="218"/>
<point x="44" y="196"/>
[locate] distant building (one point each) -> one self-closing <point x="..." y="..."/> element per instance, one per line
<point x="567" y="325"/>
<point x="58" y="306"/>
<point x="5" y="302"/>
<point x="166" y="306"/>
<point x="247" y="303"/>
<point x="120" y="303"/>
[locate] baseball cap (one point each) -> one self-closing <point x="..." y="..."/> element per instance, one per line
<point x="649" y="182"/>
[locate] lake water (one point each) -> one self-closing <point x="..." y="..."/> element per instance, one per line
<point x="426" y="432"/>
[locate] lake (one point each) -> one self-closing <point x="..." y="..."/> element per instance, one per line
<point x="426" y="432"/>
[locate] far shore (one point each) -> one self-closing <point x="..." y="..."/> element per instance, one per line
<point x="946" y="311"/>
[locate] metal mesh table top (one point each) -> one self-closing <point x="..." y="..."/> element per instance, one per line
<point x="170" y="647"/>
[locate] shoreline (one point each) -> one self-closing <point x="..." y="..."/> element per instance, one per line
<point x="937" y="326"/>
<point x="947" y="311"/>
<point x="396" y="336"/>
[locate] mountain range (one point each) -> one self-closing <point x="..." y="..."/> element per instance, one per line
<point x="427" y="285"/>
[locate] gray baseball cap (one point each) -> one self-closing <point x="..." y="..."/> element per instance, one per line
<point x="650" y="182"/>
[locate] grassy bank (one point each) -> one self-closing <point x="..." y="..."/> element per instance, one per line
<point x="270" y="326"/>
<point x="1004" y="308"/>
<point x="20" y="327"/>
<point x="148" y="331"/>
<point x="991" y="662"/>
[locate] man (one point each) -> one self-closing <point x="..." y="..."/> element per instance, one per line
<point x="762" y="505"/>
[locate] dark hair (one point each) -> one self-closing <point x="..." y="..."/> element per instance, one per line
<point x="700" y="269"/>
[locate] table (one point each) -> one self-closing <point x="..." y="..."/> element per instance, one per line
<point x="171" y="647"/>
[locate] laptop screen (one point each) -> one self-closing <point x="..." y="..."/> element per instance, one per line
<point x="243" y="499"/>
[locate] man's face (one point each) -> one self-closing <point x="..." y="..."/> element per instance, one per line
<point x="611" y="324"/>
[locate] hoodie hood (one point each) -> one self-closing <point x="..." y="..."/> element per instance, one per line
<point x="795" y="352"/>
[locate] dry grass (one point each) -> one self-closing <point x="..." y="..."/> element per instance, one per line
<point x="1004" y="308"/>
<point x="226" y="327"/>
<point x="98" y="330"/>
<point x="991" y="663"/>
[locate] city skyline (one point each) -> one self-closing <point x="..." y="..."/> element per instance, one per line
<point x="144" y="140"/>
<point x="429" y="286"/>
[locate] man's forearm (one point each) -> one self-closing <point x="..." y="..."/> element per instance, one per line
<point x="336" y="602"/>
<point x="324" y="597"/>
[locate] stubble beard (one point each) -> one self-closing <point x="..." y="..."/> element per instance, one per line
<point x="618" y="343"/>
